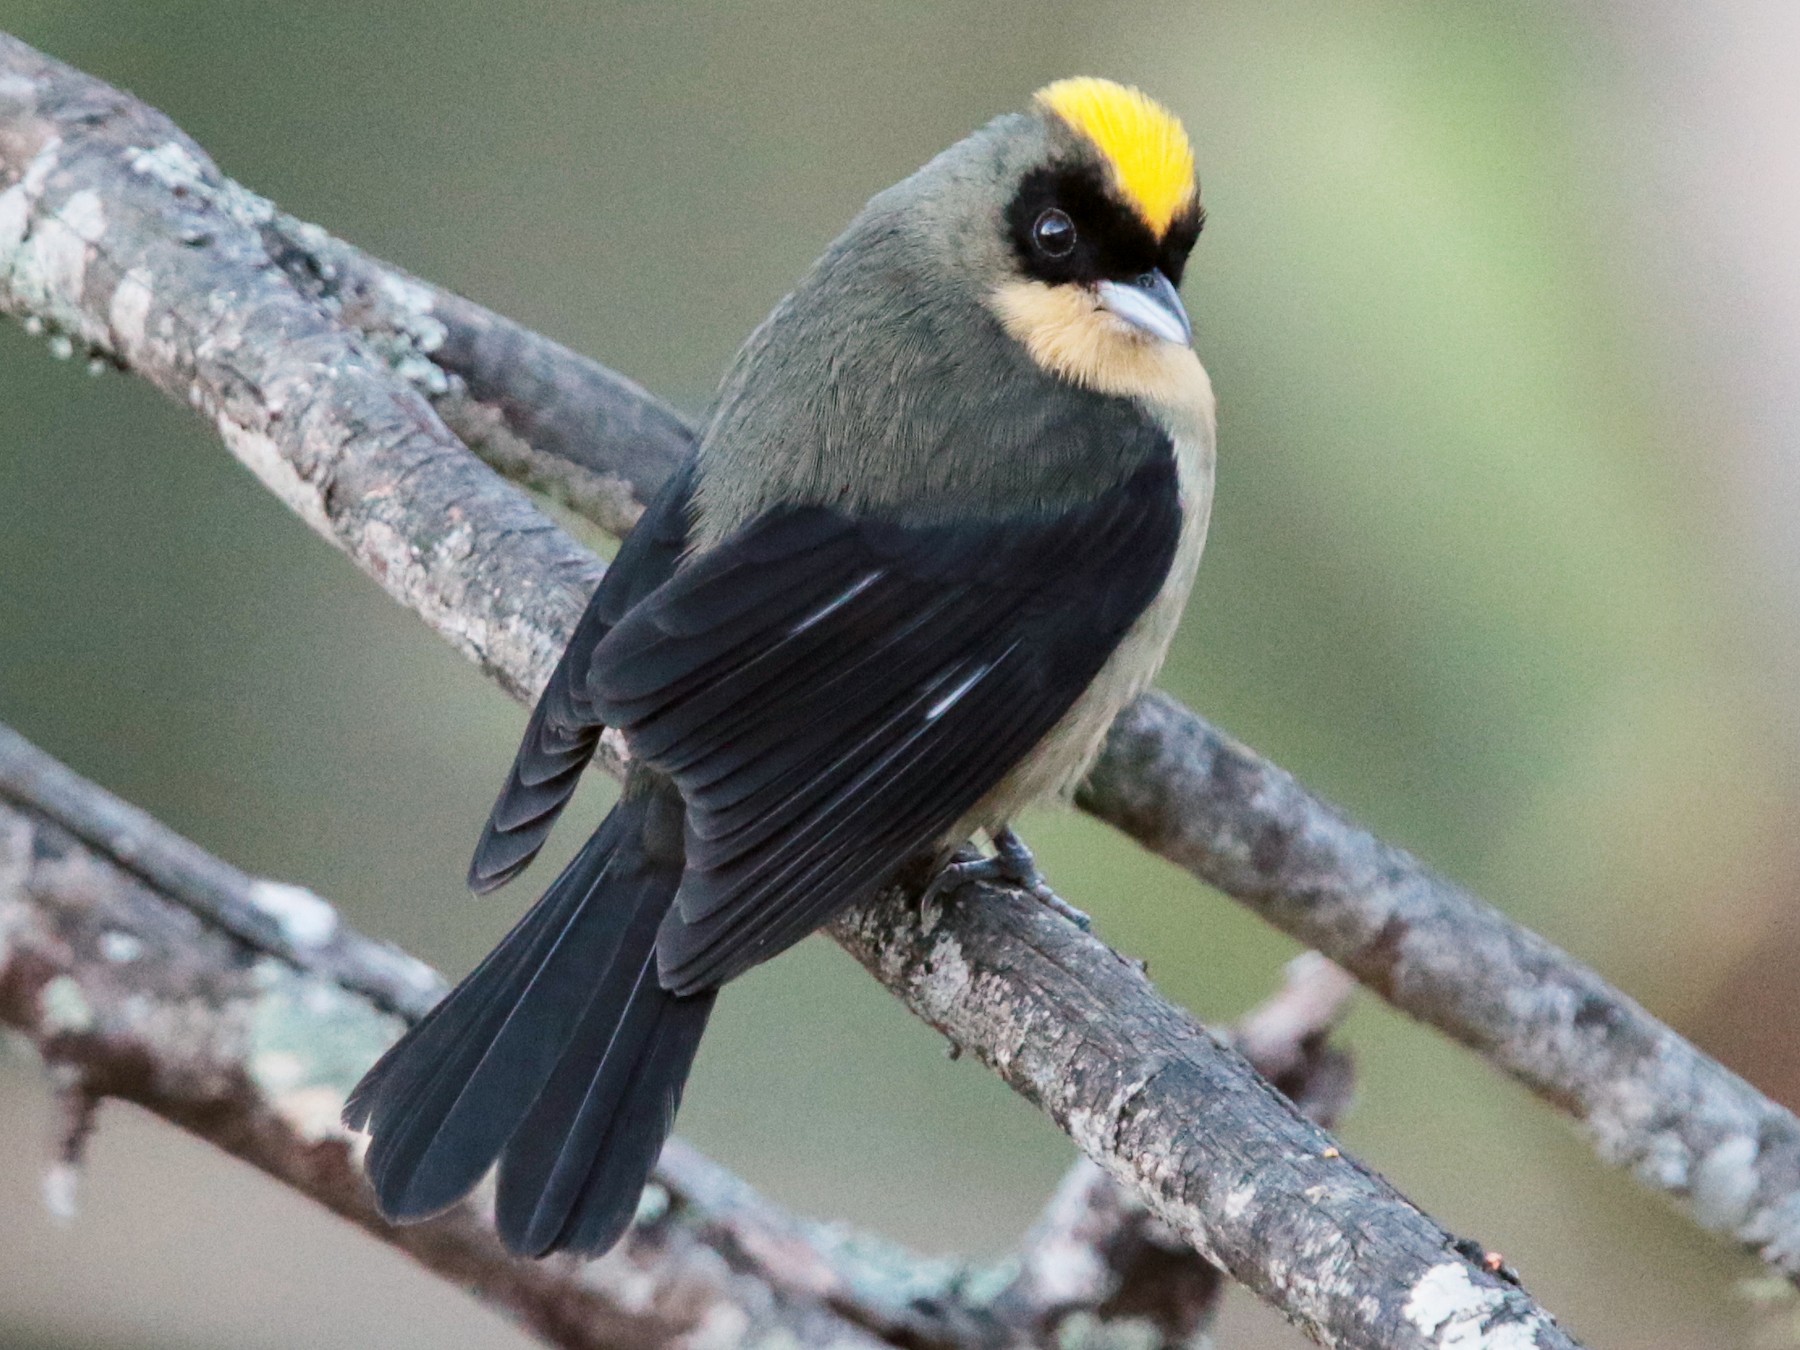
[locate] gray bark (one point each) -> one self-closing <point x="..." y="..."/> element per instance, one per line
<point x="1648" y="1099"/>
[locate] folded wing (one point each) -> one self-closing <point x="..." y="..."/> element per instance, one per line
<point x="832" y="695"/>
<point x="564" y="730"/>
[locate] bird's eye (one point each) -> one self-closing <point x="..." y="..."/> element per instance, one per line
<point x="1054" y="234"/>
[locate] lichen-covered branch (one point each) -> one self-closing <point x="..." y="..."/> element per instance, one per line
<point x="119" y="234"/>
<point x="243" y="1011"/>
<point x="1096" y="1254"/>
<point x="144" y="968"/>
<point x="270" y="916"/>
<point x="1097" y="1268"/>
<point x="1162" y="1106"/>
<point x="211" y="1007"/>
<point x="1650" y="1100"/>
<point x="544" y="416"/>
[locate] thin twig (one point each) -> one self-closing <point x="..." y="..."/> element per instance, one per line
<point x="275" y="917"/>
<point x="539" y="413"/>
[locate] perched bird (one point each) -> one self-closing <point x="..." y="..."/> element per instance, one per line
<point x="940" y="525"/>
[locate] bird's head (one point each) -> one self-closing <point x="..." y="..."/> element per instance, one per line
<point x="1049" y="243"/>
<point x="1113" y="210"/>
<point x="1094" y="200"/>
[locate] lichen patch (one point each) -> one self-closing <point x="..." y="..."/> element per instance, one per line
<point x="308" y="1045"/>
<point x="172" y="164"/>
<point x="259" y="453"/>
<point x="129" y="313"/>
<point x="65" y="1007"/>
<point x="305" y="919"/>
<point x="1724" y="1183"/>
<point x="1448" y="1306"/>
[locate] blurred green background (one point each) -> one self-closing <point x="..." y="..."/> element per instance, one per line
<point x="1479" y="571"/>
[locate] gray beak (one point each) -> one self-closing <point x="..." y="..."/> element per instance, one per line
<point x="1149" y="303"/>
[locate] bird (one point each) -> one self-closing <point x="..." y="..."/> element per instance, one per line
<point x="938" y="527"/>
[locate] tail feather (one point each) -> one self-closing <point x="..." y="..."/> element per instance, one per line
<point x="449" y="1117"/>
<point x="555" y="1048"/>
<point x="565" y="1179"/>
<point x="389" y="1090"/>
<point x="605" y="1208"/>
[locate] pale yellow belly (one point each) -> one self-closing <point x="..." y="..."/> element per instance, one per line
<point x="1061" y="760"/>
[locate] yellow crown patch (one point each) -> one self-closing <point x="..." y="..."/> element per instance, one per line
<point x="1142" y="140"/>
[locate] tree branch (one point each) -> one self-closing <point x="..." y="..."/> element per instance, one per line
<point x="1097" y="1252"/>
<point x="118" y="232"/>
<point x="1649" y="1100"/>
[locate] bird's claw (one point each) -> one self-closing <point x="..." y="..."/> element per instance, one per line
<point x="966" y="866"/>
<point x="1011" y="863"/>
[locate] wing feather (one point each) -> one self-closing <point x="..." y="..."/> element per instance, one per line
<point x="832" y="695"/>
<point x="564" y="730"/>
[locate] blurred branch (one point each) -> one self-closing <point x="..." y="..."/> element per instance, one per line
<point x="118" y="233"/>
<point x="237" y="1008"/>
<point x="143" y="968"/>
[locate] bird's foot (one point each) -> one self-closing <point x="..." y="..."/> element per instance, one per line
<point x="1012" y="863"/>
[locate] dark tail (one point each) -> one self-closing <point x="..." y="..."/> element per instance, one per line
<point x="561" y="1056"/>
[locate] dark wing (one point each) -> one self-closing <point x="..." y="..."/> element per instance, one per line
<point x="564" y="729"/>
<point x="831" y="696"/>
